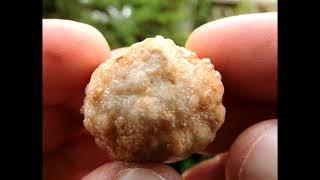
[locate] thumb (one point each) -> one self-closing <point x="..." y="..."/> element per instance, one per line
<point x="132" y="171"/>
<point x="253" y="156"/>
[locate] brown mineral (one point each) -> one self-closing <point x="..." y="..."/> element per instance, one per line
<point x="154" y="102"/>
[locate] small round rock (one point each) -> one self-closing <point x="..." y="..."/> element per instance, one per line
<point x="154" y="102"/>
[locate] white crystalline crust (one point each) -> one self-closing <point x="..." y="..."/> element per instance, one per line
<point x="154" y="102"/>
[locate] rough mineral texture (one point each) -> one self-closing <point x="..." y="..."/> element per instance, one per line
<point x="154" y="102"/>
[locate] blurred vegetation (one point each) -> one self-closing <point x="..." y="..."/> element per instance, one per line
<point x="124" y="22"/>
<point x="181" y="166"/>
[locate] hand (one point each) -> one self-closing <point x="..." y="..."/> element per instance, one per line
<point x="71" y="51"/>
<point x="244" y="50"/>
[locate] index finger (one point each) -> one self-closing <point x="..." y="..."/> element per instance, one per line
<point x="244" y="50"/>
<point x="71" y="51"/>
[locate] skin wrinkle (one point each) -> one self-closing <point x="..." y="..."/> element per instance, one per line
<point x="259" y="138"/>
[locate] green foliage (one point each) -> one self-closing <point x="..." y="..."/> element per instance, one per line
<point x="245" y="7"/>
<point x="124" y="22"/>
<point x="194" y="159"/>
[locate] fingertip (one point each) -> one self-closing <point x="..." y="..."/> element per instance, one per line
<point x="69" y="29"/>
<point x="76" y="102"/>
<point x="133" y="171"/>
<point x="254" y="154"/>
<point x="244" y="50"/>
<point x="205" y="31"/>
<point x="71" y="51"/>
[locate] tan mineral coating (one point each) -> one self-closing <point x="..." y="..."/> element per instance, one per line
<point x="154" y="102"/>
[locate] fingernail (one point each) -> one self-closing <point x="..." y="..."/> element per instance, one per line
<point x="138" y="174"/>
<point x="261" y="161"/>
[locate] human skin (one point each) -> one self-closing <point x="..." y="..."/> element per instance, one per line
<point x="244" y="50"/>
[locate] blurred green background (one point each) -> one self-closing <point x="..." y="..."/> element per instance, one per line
<point x="124" y="22"/>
